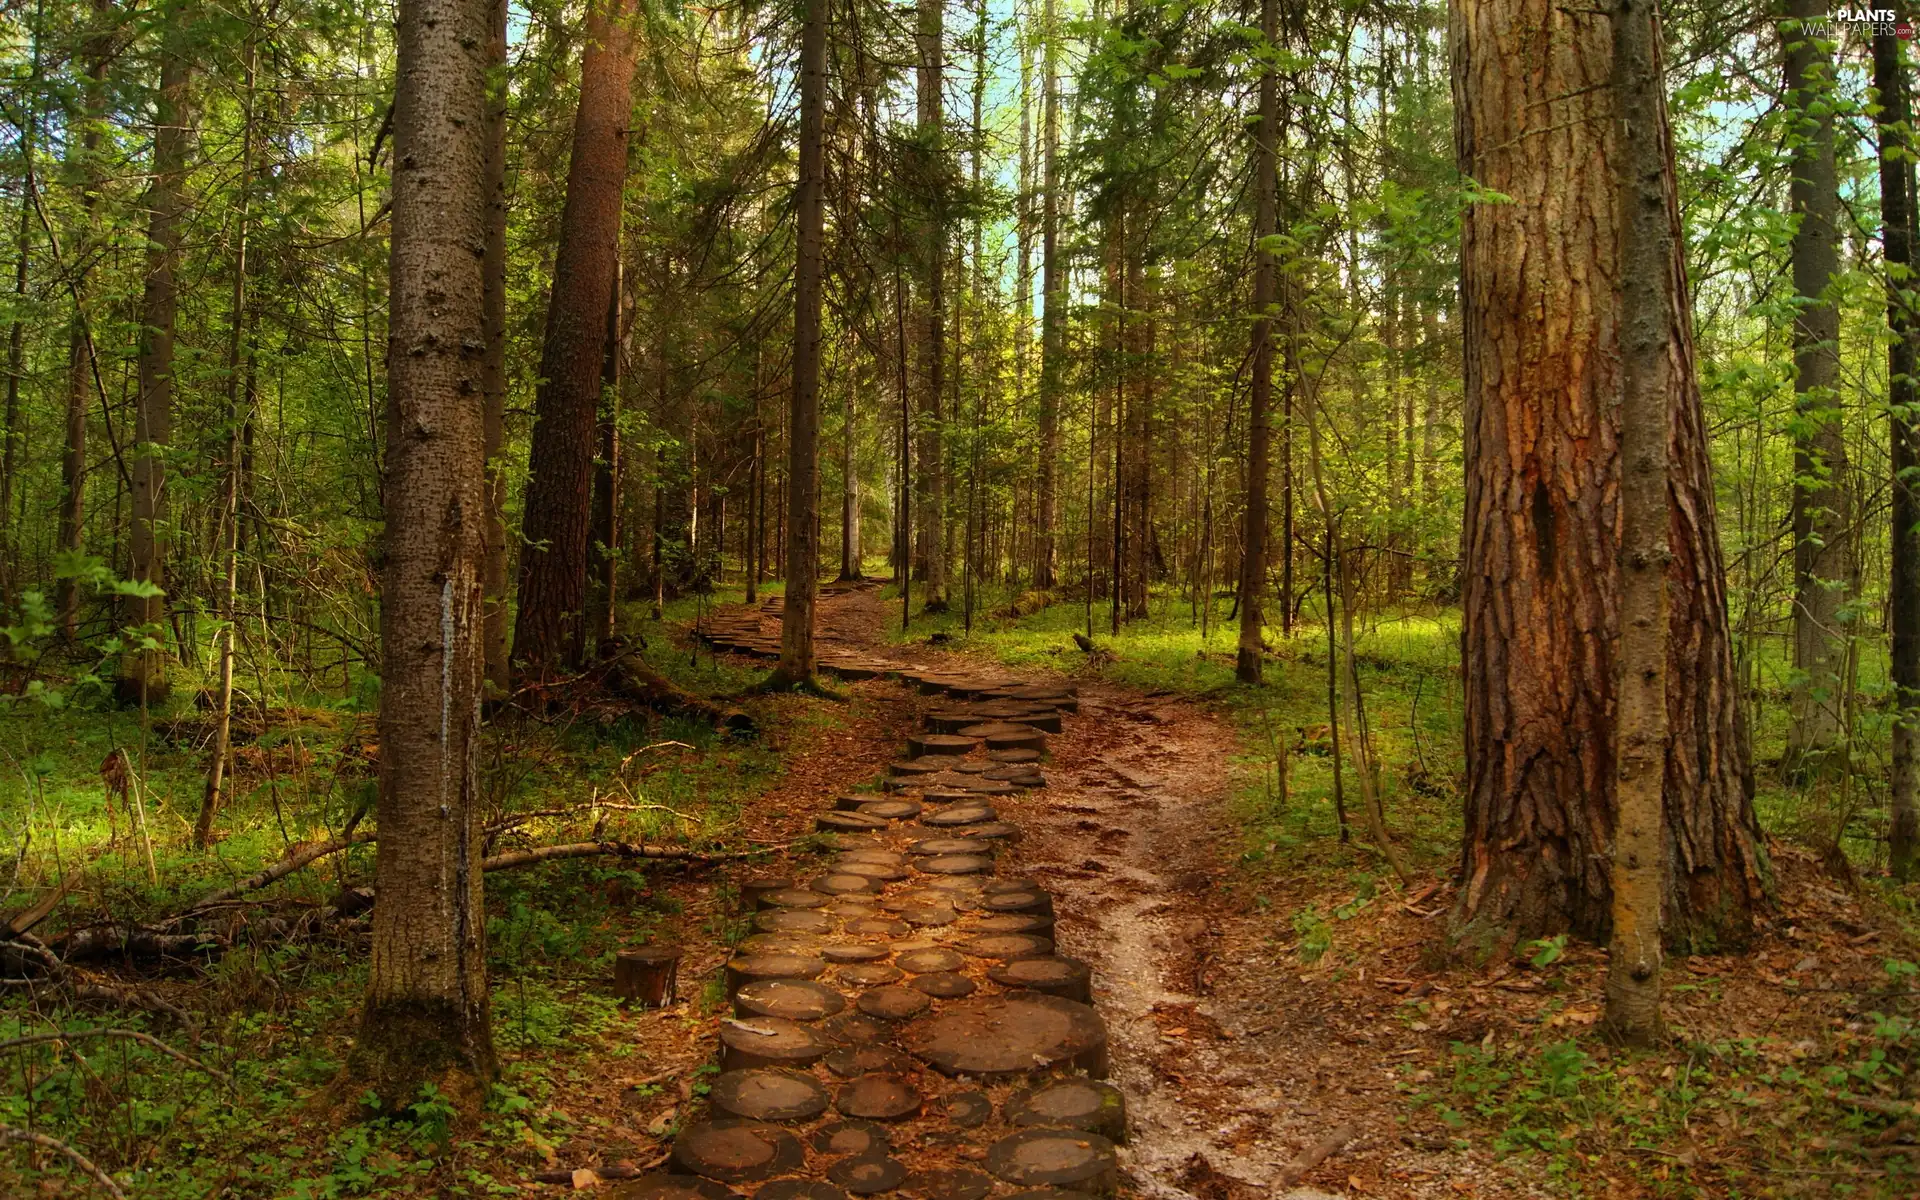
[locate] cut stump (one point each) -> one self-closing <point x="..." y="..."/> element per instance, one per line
<point x="647" y="975"/>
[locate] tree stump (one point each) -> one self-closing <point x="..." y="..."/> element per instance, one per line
<point x="919" y="744"/>
<point x="745" y="969"/>
<point x="929" y="961"/>
<point x="878" y="927"/>
<point x="769" y="1042"/>
<point x="754" y="887"/>
<point x="954" y="864"/>
<point x="892" y="810"/>
<point x="1072" y="1104"/>
<point x="945" y="845"/>
<point x="846" y="822"/>
<point x="1031" y="739"/>
<point x="959" y="814"/>
<point x="1015" y="758"/>
<point x="944" y="985"/>
<point x="851" y="1137"/>
<point x="877" y="1097"/>
<point x="734" y="1150"/>
<point x="872" y="854"/>
<point x="1006" y="946"/>
<point x="866" y="975"/>
<point x="791" y="999"/>
<point x="793" y="897"/>
<point x="1020" y="900"/>
<point x="1055" y="975"/>
<point x="1013" y="923"/>
<point x="893" y="1003"/>
<point x="648" y="975"/>
<point x="1084" y="1162"/>
<point x="942" y="795"/>
<point x="843" y="883"/>
<point x="929" y="916"/>
<point x="881" y="872"/>
<point x="989" y="729"/>
<point x="950" y="720"/>
<point x="1046" y="722"/>
<point x="1017" y="1034"/>
<point x="931" y="764"/>
<point x="760" y="1094"/>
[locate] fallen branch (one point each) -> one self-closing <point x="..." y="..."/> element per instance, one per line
<point x="134" y="1035"/>
<point x="1314" y="1155"/>
<point x="34" y="1138"/>
<point x="631" y="677"/>
<point x="280" y="870"/>
<point x="540" y="854"/>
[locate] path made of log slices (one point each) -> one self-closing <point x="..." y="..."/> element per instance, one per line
<point x="900" y="1023"/>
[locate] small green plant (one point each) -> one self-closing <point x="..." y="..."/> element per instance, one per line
<point x="1544" y="952"/>
<point x="1315" y="934"/>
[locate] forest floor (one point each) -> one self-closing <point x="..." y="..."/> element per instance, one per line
<point x="1265" y="983"/>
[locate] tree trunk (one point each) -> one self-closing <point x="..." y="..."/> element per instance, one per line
<point x="11" y="433"/>
<point x="803" y="430"/>
<point x="425" y="1018"/>
<point x="603" y="590"/>
<point x="1541" y="606"/>
<point x="1053" y="314"/>
<point x="143" y="676"/>
<point x="493" y="367"/>
<point x="549" y="628"/>
<point x="1897" y="214"/>
<point x="1649" y="246"/>
<point x="1822" y="511"/>
<point x="1253" y="557"/>
<point x="850" y="551"/>
<point x="932" y="518"/>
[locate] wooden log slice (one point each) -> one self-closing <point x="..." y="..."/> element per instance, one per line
<point x="1006" y="946"/>
<point x="944" y="845"/>
<point x="990" y="831"/>
<point x="743" y="969"/>
<point x="793" y="999"/>
<point x="647" y="975"/>
<point x="857" y="1029"/>
<point x="968" y="1110"/>
<point x="868" y="1174"/>
<point x="871" y="854"/>
<point x="866" y="975"/>
<point x="769" y="1042"/>
<point x="1030" y="740"/>
<point x="780" y="943"/>
<point x="1013" y="923"/>
<point x="893" y="810"/>
<point x="1010" y="883"/>
<point x="768" y="1095"/>
<point x="1057" y="1157"/>
<point x="920" y="744"/>
<point x="852" y="801"/>
<point x="942" y="795"/>
<point x="959" y="814"/>
<point x="893" y="1003"/>
<point x="935" y="683"/>
<point x="1016" y="1034"/>
<point x="879" y="926"/>
<point x="961" y="891"/>
<point x="944" y="985"/>
<point x="929" y="916"/>
<point x="841" y="883"/>
<point x="799" y="1189"/>
<point x="971" y="768"/>
<point x="672" y="1187"/>
<point x="856" y="952"/>
<point x="1055" y="975"/>
<point x="1008" y="710"/>
<point x="950" y="1183"/>
<point x="1014" y="774"/>
<point x="979" y="785"/>
<point x="1015" y="758"/>
<point x="846" y="822"/>
<point x="948" y="720"/>
<point x="1045" y="722"/>
<point x="756" y="886"/>
<point x="931" y="764"/>
<point x="927" y="962"/>
<point x="877" y="1097"/>
<point x="851" y="1137"/>
<point x="852" y="909"/>
<point x="849" y="1061"/>
<point x="987" y="729"/>
<point x="794" y="920"/>
<point x="793" y="897"/>
<point x="954" y="864"/>
<point x="1082" y="1104"/>
<point x="946" y="781"/>
<point x="1022" y="900"/>
<point x="734" y="1150"/>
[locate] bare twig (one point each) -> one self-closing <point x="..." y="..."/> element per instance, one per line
<point x="540" y="854"/>
<point x="134" y="1035"/>
<point x="34" y="1138"/>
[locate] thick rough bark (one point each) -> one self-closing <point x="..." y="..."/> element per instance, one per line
<point x="1897" y="213"/>
<point x="603" y="585"/>
<point x="549" y="626"/>
<point x="1823" y="567"/>
<point x="803" y="416"/>
<point x="493" y="367"/>
<point x="931" y="518"/>
<point x="1053" y="311"/>
<point x="425" y="1018"/>
<point x="850" y="549"/>
<point x="1648" y="248"/>
<point x="1253" y="556"/>
<point x="1541" y="619"/>
<point x="143" y="676"/>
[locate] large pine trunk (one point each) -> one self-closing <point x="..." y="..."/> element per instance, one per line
<point x="493" y="372"/>
<point x="1253" y="557"/>
<point x="425" y="1018"/>
<point x="931" y="516"/>
<point x="1542" y="316"/>
<point x="550" y="626"/>
<point x="143" y="676"/>
<point x="1053" y="314"/>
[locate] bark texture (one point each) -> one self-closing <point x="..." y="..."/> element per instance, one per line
<point x="493" y="367"/>
<point x="1541" y="302"/>
<point x="1053" y="311"/>
<point x="549" y="627"/>
<point x="930" y="521"/>
<point x="425" y="1017"/>
<point x="1253" y="555"/>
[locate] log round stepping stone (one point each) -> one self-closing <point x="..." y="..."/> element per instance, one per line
<point x="866" y="975"/>
<point x="794" y="920"/>
<point x="961" y="891"/>
<point x="1012" y="774"/>
<point x="972" y="768"/>
<point x="793" y="897"/>
<point x="959" y="814"/>
<point x="1017" y="900"/>
<point x="856" y="953"/>
<point x="930" y="961"/>
<point x="982" y="786"/>
<point x="922" y="744"/>
<point x="1061" y="1157"/>
<point x="735" y="1150"/>
<point x="990" y="831"/>
<point x="877" y="1097"/>
<point x="929" y="916"/>
<point x="856" y="1029"/>
<point x="944" y="795"/>
<point x="944" y="845"/>
<point x="849" y="1061"/>
<point x="1006" y="946"/>
<point x="1031" y="739"/>
<point x="743" y="969"/>
<point x="930" y="764"/>
<point x="878" y="925"/>
<point x="840" y="883"/>
<point x="950" y="1183"/>
<point x="1006" y="883"/>
<point x="893" y="1003"/>
<point x="852" y="801"/>
<point x="1045" y="722"/>
<point x="1013" y="923"/>
<point x="951" y="720"/>
<point x="851" y="1137"/>
<point x="990" y="728"/>
<point x="892" y="810"/>
<point x="799" y="1189"/>
<point x="868" y="854"/>
<point x="868" y="1174"/>
<point x="847" y="822"/>
<point x="674" y="1187"/>
<point x="1042" y="691"/>
<point x="1083" y="1104"/>
<point x="793" y="999"/>
<point x="756" y="886"/>
<point x="968" y="1110"/>
<point x="769" y="1042"/>
<point x="954" y="864"/>
<point x="1015" y="1034"/>
<point x="943" y="985"/>
<point x="852" y="910"/>
<point x="779" y="943"/>
<point x="768" y="1095"/>
<point x="1014" y="758"/>
<point x="1053" y="974"/>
